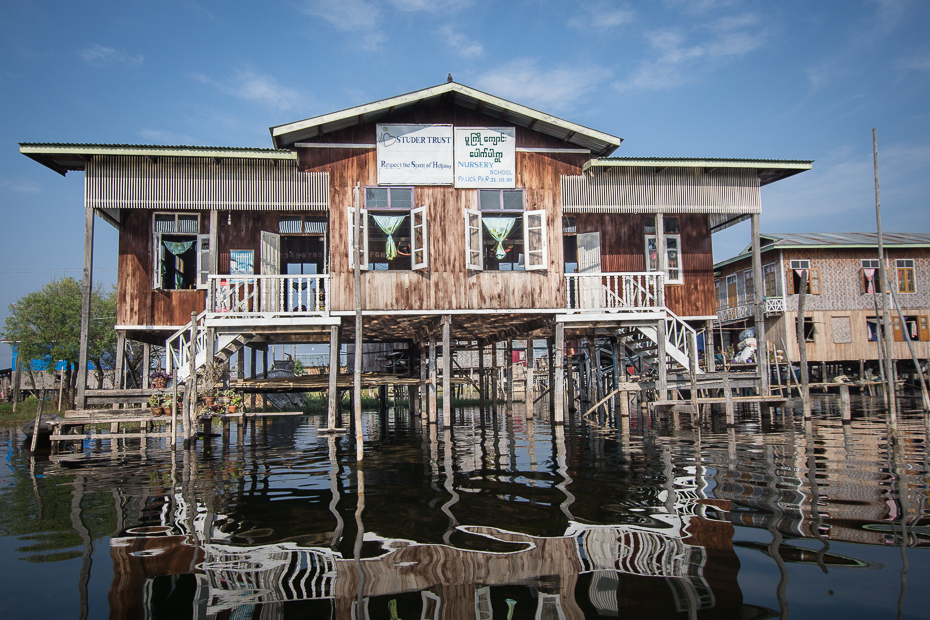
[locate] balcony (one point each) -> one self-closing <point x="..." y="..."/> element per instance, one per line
<point x="252" y="296"/>
<point x="743" y="307"/>
<point x="614" y="292"/>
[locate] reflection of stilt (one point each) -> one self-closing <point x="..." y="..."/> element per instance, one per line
<point x="560" y="459"/>
<point x="775" y="520"/>
<point x="448" y="484"/>
<point x="361" y="604"/>
<point x="77" y="522"/>
<point x="899" y="471"/>
<point x="334" y="488"/>
<point x="815" y="492"/>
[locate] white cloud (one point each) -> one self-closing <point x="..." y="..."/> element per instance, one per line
<point x="99" y="55"/>
<point x="461" y="44"/>
<point x="551" y="89"/>
<point x="252" y="86"/>
<point x="161" y="136"/>
<point x="431" y="6"/>
<point x="602" y="16"/>
<point x="679" y="59"/>
<point x="915" y="63"/>
<point x="360" y="17"/>
<point x="21" y="186"/>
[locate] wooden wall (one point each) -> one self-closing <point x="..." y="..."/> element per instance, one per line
<point x="623" y="248"/>
<point x="446" y="284"/>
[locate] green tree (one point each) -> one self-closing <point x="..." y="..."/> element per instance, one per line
<point x="46" y="327"/>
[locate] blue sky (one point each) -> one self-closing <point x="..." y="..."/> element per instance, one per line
<point x="712" y="78"/>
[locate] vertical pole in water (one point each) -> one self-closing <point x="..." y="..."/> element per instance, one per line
<point x="482" y="380"/>
<point x="146" y="362"/>
<point x="509" y="374"/>
<point x="710" y="362"/>
<point x="18" y="379"/>
<point x="762" y="357"/>
<point x="728" y="399"/>
<point x="530" y="390"/>
<point x="432" y="378"/>
<point x="692" y="371"/>
<point x="446" y="372"/>
<point x="550" y="346"/>
<point x="558" y="389"/>
<point x="886" y="316"/>
<point x="87" y="287"/>
<point x="38" y="420"/>
<point x="802" y="347"/>
<point x="661" y="360"/>
<point x="333" y="404"/>
<point x="119" y="374"/>
<point x="910" y="347"/>
<point x="844" y="402"/>
<point x="191" y="383"/>
<point x="494" y="377"/>
<point x="424" y="385"/>
<point x="174" y="406"/>
<point x="357" y="382"/>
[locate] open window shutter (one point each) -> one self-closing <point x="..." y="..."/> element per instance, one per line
<point x="474" y="257"/>
<point x="923" y="332"/>
<point x="814" y="279"/>
<point x="419" y="238"/>
<point x="364" y="222"/>
<point x="158" y="258"/>
<point x="896" y="330"/>
<point x="534" y="240"/>
<point x="203" y="261"/>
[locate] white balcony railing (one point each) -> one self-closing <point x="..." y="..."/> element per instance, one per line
<point x="743" y="308"/>
<point x="287" y="295"/>
<point x="614" y="292"/>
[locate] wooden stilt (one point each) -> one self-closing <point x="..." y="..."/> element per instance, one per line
<point x="446" y="372"/>
<point x="424" y="385"/>
<point x="530" y="390"/>
<point x="432" y="378"/>
<point x="709" y="361"/>
<point x="509" y="371"/>
<point x="558" y="391"/>
<point x="86" y="292"/>
<point x="482" y="379"/>
<point x="661" y="360"/>
<point x="332" y="409"/>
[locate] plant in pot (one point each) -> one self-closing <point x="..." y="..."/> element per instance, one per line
<point x="159" y="379"/>
<point x="235" y="401"/>
<point x="156" y="403"/>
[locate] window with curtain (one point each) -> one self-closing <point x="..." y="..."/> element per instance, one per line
<point x="394" y="230"/>
<point x="871" y="280"/>
<point x="501" y="235"/>
<point x="181" y="253"/>
<point x="906" y="280"/>
<point x="672" y="247"/>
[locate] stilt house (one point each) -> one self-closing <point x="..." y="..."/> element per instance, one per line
<point x="476" y="216"/>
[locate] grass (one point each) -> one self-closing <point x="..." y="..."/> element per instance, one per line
<point x="25" y="411"/>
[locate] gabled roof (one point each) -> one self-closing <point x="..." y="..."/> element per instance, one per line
<point x="832" y="240"/>
<point x="599" y="143"/>
<point x="769" y="170"/>
<point x="63" y="158"/>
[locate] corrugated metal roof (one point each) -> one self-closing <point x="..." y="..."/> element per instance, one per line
<point x="769" y="170"/>
<point x="598" y="142"/>
<point x="835" y="240"/>
<point x="65" y="157"/>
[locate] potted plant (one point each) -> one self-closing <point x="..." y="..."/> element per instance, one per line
<point x="155" y="402"/>
<point x="167" y="404"/>
<point x="159" y="379"/>
<point x="235" y="401"/>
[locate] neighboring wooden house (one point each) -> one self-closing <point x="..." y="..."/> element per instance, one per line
<point x="479" y="218"/>
<point x="840" y="316"/>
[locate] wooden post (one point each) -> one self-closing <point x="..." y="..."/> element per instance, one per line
<point x="432" y="378"/>
<point x="558" y="389"/>
<point x="119" y="375"/>
<point x="424" y="383"/>
<point x="844" y="402"/>
<point x="191" y="383"/>
<point x="570" y="378"/>
<point x="692" y="371"/>
<point x="883" y="274"/>
<point x="494" y="376"/>
<point x="762" y="357"/>
<point x="357" y="380"/>
<point x="17" y="379"/>
<point x="482" y="380"/>
<point x="661" y="360"/>
<point x="332" y="409"/>
<point x="509" y="374"/>
<point x="86" y="292"/>
<point x="802" y="347"/>
<point x="38" y="421"/>
<point x="174" y="407"/>
<point x="615" y="356"/>
<point x="146" y="364"/>
<point x="661" y="256"/>
<point x="710" y="362"/>
<point x="446" y="372"/>
<point x="550" y="346"/>
<point x="728" y="399"/>
<point x="530" y="390"/>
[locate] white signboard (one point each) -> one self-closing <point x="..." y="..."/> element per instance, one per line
<point x="414" y="154"/>
<point x="485" y="157"/>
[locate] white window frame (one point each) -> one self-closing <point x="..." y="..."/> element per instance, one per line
<point x="201" y="245"/>
<point x="419" y="224"/>
<point x="668" y="279"/>
<point x="418" y="221"/>
<point x="474" y="256"/>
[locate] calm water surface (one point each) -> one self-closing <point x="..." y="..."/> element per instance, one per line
<point x="500" y="517"/>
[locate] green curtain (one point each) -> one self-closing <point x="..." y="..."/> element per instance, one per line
<point x="178" y="247"/>
<point x="389" y="225"/>
<point x="499" y="227"/>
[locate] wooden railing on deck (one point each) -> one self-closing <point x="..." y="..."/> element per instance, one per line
<point x="614" y="292"/>
<point x="251" y="295"/>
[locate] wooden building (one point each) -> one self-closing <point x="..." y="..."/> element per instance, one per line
<point x="479" y="220"/>
<point x="844" y="302"/>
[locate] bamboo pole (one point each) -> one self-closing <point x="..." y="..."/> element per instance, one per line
<point x="559" y="368"/>
<point x="925" y="398"/>
<point x="886" y="317"/>
<point x="35" y="428"/>
<point x="357" y="379"/>
<point x="333" y="405"/>
<point x="762" y="350"/>
<point x="446" y="372"/>
<point x="802" y="346"/>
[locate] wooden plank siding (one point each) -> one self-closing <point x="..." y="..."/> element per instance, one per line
<point x="623" y="248"/>
<point x="446" y="284"/>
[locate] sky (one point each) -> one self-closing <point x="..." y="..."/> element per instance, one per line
<point x="793" y="79"/>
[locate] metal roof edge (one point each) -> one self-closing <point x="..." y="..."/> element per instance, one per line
<point x="686" y="162"/>
<point x="281" y="130"/>
<point x="142" y="150"/>
<point x="822" y="246"/>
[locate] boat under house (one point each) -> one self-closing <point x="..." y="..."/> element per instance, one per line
<point x="472" y="221"/>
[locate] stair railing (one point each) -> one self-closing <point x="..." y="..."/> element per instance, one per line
<point x="177" y="346"/>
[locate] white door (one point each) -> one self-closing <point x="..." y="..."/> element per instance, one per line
<point x="270" y="293"/>
<point x="589" y="261"/>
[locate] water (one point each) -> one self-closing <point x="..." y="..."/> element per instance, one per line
<point x="607" y="516"/>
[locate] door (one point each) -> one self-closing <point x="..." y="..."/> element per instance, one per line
<point x="270" y="291"/>
<point x="591" y="292"/>
<point x="732" y="298"/>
